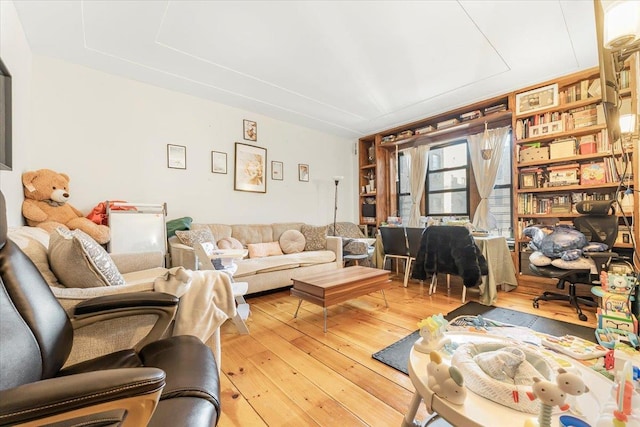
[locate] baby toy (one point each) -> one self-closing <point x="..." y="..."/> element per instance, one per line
<point x="623" y="410"/>
<point x="445" y="381"/>
<point x="554" y="394"/>
<point x="46" y="194"/>
<point x="432" y="331"/>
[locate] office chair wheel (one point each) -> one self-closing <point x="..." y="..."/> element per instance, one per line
<point x="536" y="304"/>
<point x="582" y="317"/>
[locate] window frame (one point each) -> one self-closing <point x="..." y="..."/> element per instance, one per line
<point x="466" y="167"/>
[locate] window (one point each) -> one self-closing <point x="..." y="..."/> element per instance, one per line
<point x="447" y="184"/>
<point x="404" y="187"/>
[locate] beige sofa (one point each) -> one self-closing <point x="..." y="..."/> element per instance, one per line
<point x="267" y="273"/>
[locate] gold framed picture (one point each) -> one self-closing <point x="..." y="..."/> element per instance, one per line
<point x="537" y="99"/>
<point x="250" y="167"/>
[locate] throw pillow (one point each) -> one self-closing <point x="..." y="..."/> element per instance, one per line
<point x="229" y="243"/>
<point x="79" y="262"/>
<point x="315" y="237"/>
<point x="261" y="250"/>
<point x="191" y="237"/>
<point x="292" y="241"/>
<point x="578" y="264"/>
<point x="179" y="224"/>
<point x="539" y="259"/>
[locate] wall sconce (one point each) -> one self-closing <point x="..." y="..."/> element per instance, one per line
<point x="621" y="23"/>
<point x="486" y="150"/>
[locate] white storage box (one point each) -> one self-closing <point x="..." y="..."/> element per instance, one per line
<point x="534" y="154"/>
<point x="564" y="148"/>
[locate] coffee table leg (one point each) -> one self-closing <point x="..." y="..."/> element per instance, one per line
<point x="385" y="298"/>
<point x="324" y="309"/>
<point x="299" y="303"/>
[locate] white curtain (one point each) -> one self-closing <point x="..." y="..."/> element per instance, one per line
<point x="485" y="171"/>
<point x="419" y="162"/>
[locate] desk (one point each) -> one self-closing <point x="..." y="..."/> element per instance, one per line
<point x="477" y="411"/>
<point x="501" y="269"/>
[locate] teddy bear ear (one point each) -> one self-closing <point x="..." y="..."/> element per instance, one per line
<point x="65" y="176"/>
<point x="27" y="178"/>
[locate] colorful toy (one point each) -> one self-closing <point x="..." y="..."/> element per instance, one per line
<point x="432" y="331"/>
<point x="445" y="381"/>
<point x="623" y="410"/>
<point x="554" y="394"/>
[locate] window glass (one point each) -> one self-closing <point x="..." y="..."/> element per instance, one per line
<point x="448" y="180"/>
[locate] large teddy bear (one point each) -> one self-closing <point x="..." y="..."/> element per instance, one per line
<point x="46" y="193"/>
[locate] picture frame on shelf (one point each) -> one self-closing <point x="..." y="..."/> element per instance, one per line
<point x="303" y="172"/>
<point x="528" y="180"/>
<point x="250" y="130"/>
<point x="250" y="167"/>
<point x="218" y="162"/>
<point x="277" y="171"/>
<point x="537" y="99"/>
<point x="176" y="156"/>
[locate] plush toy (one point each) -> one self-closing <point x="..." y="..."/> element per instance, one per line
<point x="46" y="193"/>
<point x="445" y="381"/>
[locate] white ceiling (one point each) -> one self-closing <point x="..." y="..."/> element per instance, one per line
<point x="349" y="68"/>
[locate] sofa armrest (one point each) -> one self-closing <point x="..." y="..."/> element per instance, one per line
<point x="334" y="244"/>
<point x="135" y="390"/>
<point x="182" y="255"/>
<point x="136" y="261"/>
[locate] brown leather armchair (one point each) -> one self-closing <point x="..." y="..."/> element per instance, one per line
<point x="164" y="382"/>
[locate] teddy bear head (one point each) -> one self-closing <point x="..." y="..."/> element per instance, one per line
<point x="45" y="184"/>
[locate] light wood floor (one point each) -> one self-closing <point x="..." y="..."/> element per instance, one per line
<point x="287" y="372"/>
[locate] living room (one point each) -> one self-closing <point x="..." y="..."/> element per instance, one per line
<point x="110" y="133"/>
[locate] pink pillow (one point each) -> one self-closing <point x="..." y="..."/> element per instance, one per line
<point x="229" y="243"/>
<point x="261" y="250"/>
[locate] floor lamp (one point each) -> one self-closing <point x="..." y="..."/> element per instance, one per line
<point x="336" y="179"/>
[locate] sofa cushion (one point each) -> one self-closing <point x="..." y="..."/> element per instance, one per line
<point x="79" y="262"/>
<point x="315" y="237"/>
<point x="280" y="227"/>
<point x="33" y="241"/>
<point x="260" y="250"/>
<point x="253" y="233"/>
<point x="292" y="241"/>
<point x="229" y="243"/>
<point x="248" y="267"/>
<point x="191" y="237"/>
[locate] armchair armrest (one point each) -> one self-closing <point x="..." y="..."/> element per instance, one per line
<point x="136" y="261"/>
<point x="135" y="390"/>
<point x="182" y="255"/>
<point x="100" y="309"/>
<point x="334" y="243"/>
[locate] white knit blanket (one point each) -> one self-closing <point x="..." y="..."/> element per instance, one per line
<point x="206" y="300"/>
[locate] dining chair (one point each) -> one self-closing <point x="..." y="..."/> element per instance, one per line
<point x="396" y="246"/>
<point x="414" y="236"/>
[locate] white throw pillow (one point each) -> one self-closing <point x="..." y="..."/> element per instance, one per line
<point x="78" y="261"/>
<point x="539" y="259"/>
<point x="578" y="264"/>
<point x="292" y="241"/>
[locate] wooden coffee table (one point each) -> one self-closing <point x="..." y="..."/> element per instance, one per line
<point x="336" y="286"/>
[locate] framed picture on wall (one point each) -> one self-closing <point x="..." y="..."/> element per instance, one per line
<point x="176" y="156"/>
<point x="218" y="162"/>
<point x="303" y="172"/>
<point x="277" y="173"/>
<point x="250" y="167"/>
<point x="250" y="130"/>
<point x="537" y="99"/>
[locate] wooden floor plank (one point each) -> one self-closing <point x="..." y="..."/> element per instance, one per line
<point x="289" y="372"/>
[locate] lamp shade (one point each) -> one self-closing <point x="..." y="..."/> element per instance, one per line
<point x="621" y="23"/>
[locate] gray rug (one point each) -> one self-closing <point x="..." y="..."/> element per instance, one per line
<point x="397" y="354"/>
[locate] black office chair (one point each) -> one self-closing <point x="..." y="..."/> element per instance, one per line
<point x="599" y="224"/>
<point x="178" y="374"/>
<point x="395" y="246"/>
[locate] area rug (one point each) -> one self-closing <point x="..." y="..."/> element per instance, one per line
<point x="397" y="354"/>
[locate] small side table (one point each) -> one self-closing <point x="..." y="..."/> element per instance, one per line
<point x="356" y="258"/>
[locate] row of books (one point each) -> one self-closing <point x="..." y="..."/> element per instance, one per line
<point x="579" y="91"/>
<point x="540" y="204"/>
<point x="558" y="122"/>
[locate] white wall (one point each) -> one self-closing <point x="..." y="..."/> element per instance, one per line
<point x="109" y="134"/>
<point x="16" y="55"/>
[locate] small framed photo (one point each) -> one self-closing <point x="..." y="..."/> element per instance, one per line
<point x="277" y="173"/>
<point x="251" y="166"/>
<point x="303" y="172"/>
<point x="218" y="162"/>
<point x="528" y="180"/>
<point x="176" y="156"/>
<point x="537" y="99"/>
<point x="250" y="130"/>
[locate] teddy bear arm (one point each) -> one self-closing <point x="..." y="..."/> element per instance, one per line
<point x="76" y="211"/>
<point x="32" y="212"/>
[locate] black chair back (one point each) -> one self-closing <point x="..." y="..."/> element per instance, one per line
<point x="36" y="334"/>
<point x="598" y="222"/>
<point x="414" y="236"/>
<point x="394" y="241"/>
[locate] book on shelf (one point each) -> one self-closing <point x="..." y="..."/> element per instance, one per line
<point x="593" y="173"/>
